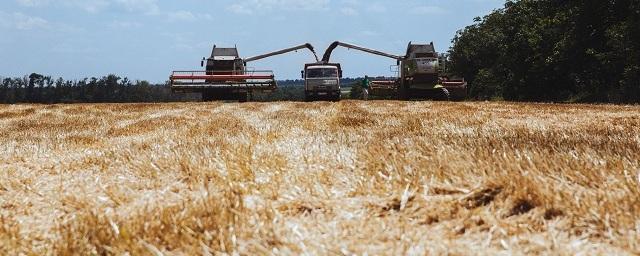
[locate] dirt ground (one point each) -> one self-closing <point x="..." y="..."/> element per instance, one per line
<point x="380" y="177"/>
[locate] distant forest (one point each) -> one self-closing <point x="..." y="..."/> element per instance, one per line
<point x="549" y="50"/>
<point x="37" y="88"/>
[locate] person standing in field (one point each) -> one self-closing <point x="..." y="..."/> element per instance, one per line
<point x="365" y="87"/>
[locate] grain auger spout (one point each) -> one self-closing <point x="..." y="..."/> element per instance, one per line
<point x="327" y="54"/>
<point x="283" y="51"/>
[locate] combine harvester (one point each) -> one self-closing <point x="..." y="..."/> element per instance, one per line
<point x="227" y="77"/>
<point x="420" y="74"/>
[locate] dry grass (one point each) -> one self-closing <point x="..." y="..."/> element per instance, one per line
<point x="320" y="178"/>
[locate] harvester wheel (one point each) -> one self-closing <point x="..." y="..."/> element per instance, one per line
<point x="242" y="97"/>
<point x="403" y="93"/>
<point x="308" y="98"/>
<point x="208" y="96"/>
<point x="444" y="95"/>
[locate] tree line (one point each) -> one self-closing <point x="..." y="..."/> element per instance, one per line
<point x="37" y="88"/>
<point x="549" y="50"/>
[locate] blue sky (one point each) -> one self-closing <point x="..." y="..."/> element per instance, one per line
<point x="146" y="39"/>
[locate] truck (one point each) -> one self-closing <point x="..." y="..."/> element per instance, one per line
<point x="322" y="81"/>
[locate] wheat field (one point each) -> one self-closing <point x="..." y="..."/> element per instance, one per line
<point x="347" y="178"/>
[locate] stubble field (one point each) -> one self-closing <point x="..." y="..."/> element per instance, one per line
<point x="381" y="177"/>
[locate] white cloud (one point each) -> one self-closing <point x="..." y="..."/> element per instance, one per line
<point x="205" y="16"/>
<point x="33" y="3"/>
<point x="93" y="6"/>
<point x="68" y="48"/>
<point x="349" y="11"/>
<point x="4" y="20"/>
<point x="181" y="16"/>
<point x="377" y="8"/>
<point x="22" y="21"/>
<point x="427" y="9"/>
<point x="125" y="24"/>
<point x="187" y="16"/>
<point x="240" y="9"/>
<point x="351" y="2"/>
<point x="144" y="6"/>
<point x="25" y="22"/>
<point x="255" y="6"/>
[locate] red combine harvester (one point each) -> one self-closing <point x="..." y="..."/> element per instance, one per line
<point x="226" y="76"/>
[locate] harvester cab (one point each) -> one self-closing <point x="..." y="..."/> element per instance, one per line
<point x="421" y="63"/>
<point x="224" y="60"/>
<point x="226" y="76"/>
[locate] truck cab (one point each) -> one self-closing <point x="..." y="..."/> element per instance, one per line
<point x="322" y="81"/>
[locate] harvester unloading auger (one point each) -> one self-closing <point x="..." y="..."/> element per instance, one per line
<point x="420" y="75"/>
<point x="227" y="77"/>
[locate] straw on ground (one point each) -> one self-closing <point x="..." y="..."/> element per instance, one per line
<point x="380" y="177"/>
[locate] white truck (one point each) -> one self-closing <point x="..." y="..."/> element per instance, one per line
<point x="322" y="81"/>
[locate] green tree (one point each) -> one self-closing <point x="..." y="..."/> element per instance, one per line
<point x="34" y="80"/>
<point x="549" y="50"/>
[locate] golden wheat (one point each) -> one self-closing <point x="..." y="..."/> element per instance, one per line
<point x="353" y="177"/>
